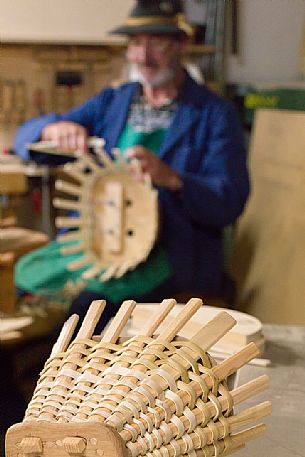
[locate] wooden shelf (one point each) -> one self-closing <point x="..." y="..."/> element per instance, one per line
<point x="200" y="49"/>
<point x="114" y="45"/>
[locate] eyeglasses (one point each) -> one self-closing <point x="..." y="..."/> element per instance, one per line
<point x="156" y="43"/>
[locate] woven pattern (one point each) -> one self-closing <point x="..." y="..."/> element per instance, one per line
<point x="164" y="396"/>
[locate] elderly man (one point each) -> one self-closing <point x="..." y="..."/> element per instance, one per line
<point x="187" y="138"/>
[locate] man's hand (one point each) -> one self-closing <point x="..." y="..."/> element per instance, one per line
<point x="68" y="136"/>
<point x="160" y="173"/>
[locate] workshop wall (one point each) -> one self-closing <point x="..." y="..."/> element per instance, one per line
<point x="40" y="78"/>
<point x="60" y="20"/>
<point x="270" y="38"/>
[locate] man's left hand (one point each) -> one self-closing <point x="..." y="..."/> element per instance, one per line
<point x="161" y="174"/>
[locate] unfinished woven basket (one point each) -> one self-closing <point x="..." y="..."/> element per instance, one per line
<point x="151" y="395"/>
<point x="111" y="230"/>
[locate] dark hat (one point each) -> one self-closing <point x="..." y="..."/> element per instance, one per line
<point x="156" y="16"/>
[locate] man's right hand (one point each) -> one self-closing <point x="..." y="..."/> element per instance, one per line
<point x="68" y="136"/>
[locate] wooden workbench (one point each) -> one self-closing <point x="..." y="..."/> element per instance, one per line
<point x="285" y="436"/>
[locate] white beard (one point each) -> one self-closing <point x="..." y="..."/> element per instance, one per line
<point x="159" y="80"/>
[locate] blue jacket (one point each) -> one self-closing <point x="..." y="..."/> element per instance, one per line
<point x="205" y="146"/>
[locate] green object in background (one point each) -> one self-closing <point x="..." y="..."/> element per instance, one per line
<point x="273" y="96"/>
<point x="281" y="98"/>
<point x="44" y="272"/>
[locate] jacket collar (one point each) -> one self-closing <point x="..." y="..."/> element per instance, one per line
<point x="118" y="112"/>
<point x="189" y="102"/>
<point x="186" y="115"/>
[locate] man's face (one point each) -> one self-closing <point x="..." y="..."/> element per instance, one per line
<point x="155" y="58"/>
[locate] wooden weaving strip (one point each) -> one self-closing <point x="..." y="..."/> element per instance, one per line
<point x="129" y="352"/>
<point x="69" y="370"/>
<point x="204" y="412"/>
<point x="118" y="417"/>
<point x="50" y="371"/>
<point x="169" y="333"/>
<point x="72" y="404"/>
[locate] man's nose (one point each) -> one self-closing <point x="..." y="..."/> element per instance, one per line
<point x="144" y="53"/>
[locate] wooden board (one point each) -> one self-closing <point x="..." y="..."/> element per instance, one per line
<point x="10" y="325"/>
<point x="61" y="440"/>
<point x="14" y="242"/>
<point x="12" y="180"/>
<point x="247" y="329"/>
<point x="21" y="240"/>
<point x="269" y="257"/>
<point x="7" y="286"/>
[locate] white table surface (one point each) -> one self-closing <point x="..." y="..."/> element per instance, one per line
<point x="285" y="436"/>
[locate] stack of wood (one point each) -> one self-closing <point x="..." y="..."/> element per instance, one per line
<point x="153" y="395"/>
<point x="14" y="241"/>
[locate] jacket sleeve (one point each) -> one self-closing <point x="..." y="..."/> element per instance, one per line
<point x="215" y="195"/>
<point x="30" y="132"/>
<point x="85" y="115"/>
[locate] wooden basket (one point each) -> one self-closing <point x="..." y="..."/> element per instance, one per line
<point x="151" y="395"/>
<point x="118" y="217"/>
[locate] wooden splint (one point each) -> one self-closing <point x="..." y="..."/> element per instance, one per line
<point x="152" y="395"/>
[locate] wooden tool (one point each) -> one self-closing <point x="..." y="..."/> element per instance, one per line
<point x="151" y="395"/>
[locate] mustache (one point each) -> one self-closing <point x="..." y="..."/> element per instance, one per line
<point x="162" y="76"/>
<point x="148" y="64"/>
